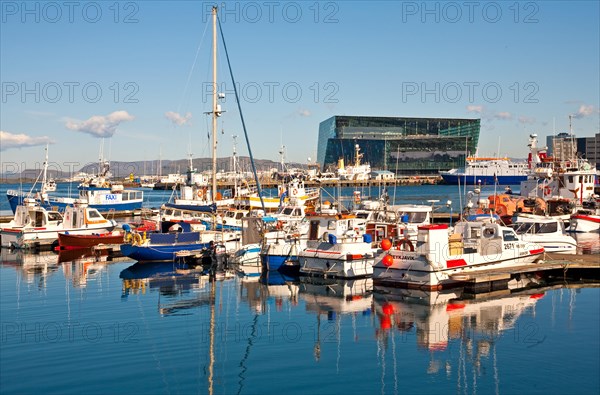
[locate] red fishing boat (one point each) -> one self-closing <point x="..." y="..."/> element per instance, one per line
<point x="68" y="241"/>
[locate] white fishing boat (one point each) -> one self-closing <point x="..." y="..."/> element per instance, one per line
<point x="357" y="172"/>
<point x="280" y="250"/>
<point x="35" y="226"/>
<point x="441" y="260"/>
<point x="394" y="222"/>
<point x="50" y="185"/>
<point x="587" y="218"/>
<point x="569" y="178"/>
<point x="246" y="260"/>
<point x="547" y="231"/>
<point x="337" y="246"/>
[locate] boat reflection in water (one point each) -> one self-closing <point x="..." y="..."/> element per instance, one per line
<point x="32" y="268"/>
<point x="446" y="320"/>
<point x="85" y="264"/>
<point x="272" y="286"/>
<point x="334" y="298"/>
<point x="171" y="280"/>
<point x="331" y="297"/>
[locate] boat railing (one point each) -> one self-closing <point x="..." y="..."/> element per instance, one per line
<point x="312" y="191"/>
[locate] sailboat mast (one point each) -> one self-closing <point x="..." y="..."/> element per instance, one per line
<point x="45" y="171"/>
<point x="214" y="109"/>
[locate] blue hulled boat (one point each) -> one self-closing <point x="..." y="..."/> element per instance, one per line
<point x="162" y="246"/>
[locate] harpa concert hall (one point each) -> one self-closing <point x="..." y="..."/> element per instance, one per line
<point x="405" y="146"/>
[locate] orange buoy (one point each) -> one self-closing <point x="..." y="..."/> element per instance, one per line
<point x="387" y="260"/>
<point x="386" y="244"/>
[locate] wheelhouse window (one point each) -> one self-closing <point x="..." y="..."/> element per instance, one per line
<point x="550" y="227"/>
<point x="509" y="235"/>
<point x="94" y="214"/>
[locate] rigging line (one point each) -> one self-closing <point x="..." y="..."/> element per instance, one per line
<point x="189" y="77"/>
<point x="237" y="99"/>
<point x="396" y="176"/>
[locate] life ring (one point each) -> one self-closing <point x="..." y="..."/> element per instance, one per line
<point x="137" y="239"/>
<point x="294" y="191"/>
<point x="200" y="194"/>
<point x="405" y="245"/>
<point x="279" y="225"/>
<point x="547" y="191"/>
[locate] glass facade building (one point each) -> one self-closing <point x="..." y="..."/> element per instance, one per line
<point x="405" y="146"/>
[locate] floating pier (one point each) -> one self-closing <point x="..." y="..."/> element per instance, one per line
<point x="554" y="267"/>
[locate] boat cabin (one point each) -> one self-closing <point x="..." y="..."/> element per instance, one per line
<point x="335" y="228"/>
<point x="31" y="215"/>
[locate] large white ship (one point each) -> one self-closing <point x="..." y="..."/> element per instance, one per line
<point x="488" y="171"/>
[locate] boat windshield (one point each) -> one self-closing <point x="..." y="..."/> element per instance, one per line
<point x="362" y="215"/>
<point x="54" y="216"/>
<point x="93" y="214"/>
<point x="532" y="227"/>
<point x="413" y="217"/>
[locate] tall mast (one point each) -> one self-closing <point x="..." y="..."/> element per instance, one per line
<point x="45" y="171"/>
<point x="234" y="160"/>
<point x="214" y="109"/>
<point x="282" y="153"/>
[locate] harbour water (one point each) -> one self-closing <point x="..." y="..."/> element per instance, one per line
<point x="121" y="327"/>
<point x="81" y="326"/>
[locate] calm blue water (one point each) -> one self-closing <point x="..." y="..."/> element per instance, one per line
<point x="80" y="327"/>
<point x="118" y="327"/>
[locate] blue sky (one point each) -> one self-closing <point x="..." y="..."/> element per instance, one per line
<point x="137" y="72"/>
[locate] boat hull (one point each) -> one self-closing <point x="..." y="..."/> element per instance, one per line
<point x="413" y="270"/>
<point x="584" y="223"/>
<point x="20" y="238"/>
<point x="158" y="252"/>
<point x="348" y="260"/>
<point x="454" y="179"/>
<point x="72" y="242"/>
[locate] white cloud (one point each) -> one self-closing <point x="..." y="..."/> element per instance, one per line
<point x="585" y="111"/>
<point x="503" y="115"/>
<point x="10" y="140"/>
<point x="100" y="125"/>
<point x="526" y="120"/>
<point x="178" y="119"/>
<point x="477" y="109"/>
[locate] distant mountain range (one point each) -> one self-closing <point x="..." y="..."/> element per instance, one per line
<point x="148" y="168"/>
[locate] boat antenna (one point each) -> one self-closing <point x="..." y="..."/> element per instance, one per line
<point x="237" y="99"/>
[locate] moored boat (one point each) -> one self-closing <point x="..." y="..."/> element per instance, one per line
<point x="162" y="246"/>
<point x="337" y="246"/>
<point x="35" y="226"/>
<point x="441" y="260"/>
<point x="487" y="171"/>
<point x="547" y="231"/>
<point x="586" y="219"/>
<point x="67" y="241"/>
